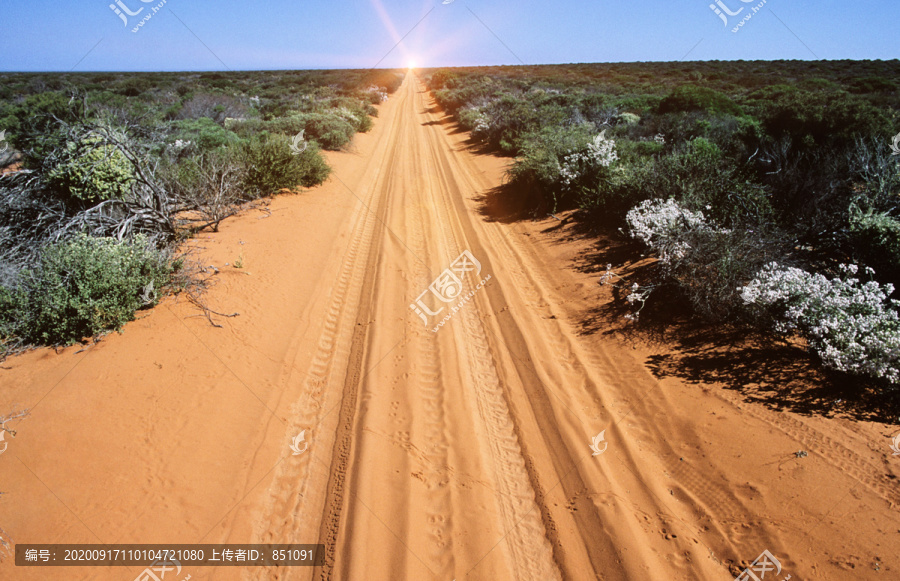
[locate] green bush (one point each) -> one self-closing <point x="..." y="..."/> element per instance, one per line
<point x="365" y="123"/>
<point x="537" y="170"/>
<point x="636" y="149"/>
<point x="37" y="129"/>
<point x="816" y="117"/>
<point x="331" y="131"/>
<point x="134" y="86"/>
<point x="83" y="287"/>
<point x="205" y="133"/>
<point x="511" y="117"/>
<point x="92" y="171"/>
<point x="271" y="165"/>
<point x="873" y="85"/>
<point x="629" y="184"/>
<point x="471" y="119"/>
<point x="875" y="238"/>
<point x="693" y="98"/>
<point x="441" y="78"/>
<point x="706" y="263"/>
<point x="701" y="177"/>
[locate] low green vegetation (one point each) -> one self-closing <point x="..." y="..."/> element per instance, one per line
<point x="82" y="287"/>
<point x="720" y="171"/>
<point x="120" y="167"/>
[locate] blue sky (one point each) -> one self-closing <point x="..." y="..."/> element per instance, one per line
<point x="86" y="35"/>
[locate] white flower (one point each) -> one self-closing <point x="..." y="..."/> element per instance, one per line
<point x="659" y="224"/>
<point x="853" y="327"/>
<point x="600" y="152"/>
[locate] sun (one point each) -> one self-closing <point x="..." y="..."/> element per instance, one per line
<point x="411" y="64"/>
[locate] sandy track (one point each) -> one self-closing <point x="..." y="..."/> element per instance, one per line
<point x="457" y="454"/>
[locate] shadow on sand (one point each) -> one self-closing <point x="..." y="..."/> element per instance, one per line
<point x="779" y="374"/>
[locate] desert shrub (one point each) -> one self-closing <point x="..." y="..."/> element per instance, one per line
<point x="390" y="81"/>
<point x="246" y="128"/>
<point x="331" y="131"/>
<point x="811" y="189"/>
<point x="630" y="150"/>
<point x="737" y="136"/>
<point x="589" y="166"/>
<point x="628" y="184"/>
<point x="134" y="86"/>
<point x="538" y="168"/>
<point x="215" y="106"/>
<point x="706" y="263"/>
<point x="209" y="183"/>
<point x="811" y="118"/>
<point x="37" y="128"/>
<point x="873" y="166"/>
<point x="704" y="178"/>
<point x="693" y="98"/>
<point x="873" y="85"/>
<point x="854" y="327"/>
<point x="875" y="239"/>
<point x="511" y="117"/>
<point x="205" y="133"/>
<point x="660" y="225"/>
<point x="364" y="123"/>
<point x="373" y="96"/>
<point x="271" y="165"/>
<point x="440" y="79"/>
<point x="628" y="119"/>
<point x="83" y="287"/>
<point x="92" y="170"/>
<point x="331" y="128"/>
<point x="472" y="119"/>
<point x="644" y="103"/>
<point x="698" y="176"/>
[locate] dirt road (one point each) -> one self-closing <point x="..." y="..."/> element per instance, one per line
<point x="504" y="444"/>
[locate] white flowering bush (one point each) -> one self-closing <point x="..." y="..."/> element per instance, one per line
<point x="705" y="262"/>
<point x="476" y="121"/>
<point x="661" y="225"/>
<point x="378" y="94"/>
<point x="536" y="171"/>
<point x="854" y="327"/>
<point x="590" y="162"/>
<point x="482" y="125"/>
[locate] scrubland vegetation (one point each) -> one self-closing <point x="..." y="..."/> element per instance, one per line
<point x="115" y="169"/>
<point x="768" y="192"/>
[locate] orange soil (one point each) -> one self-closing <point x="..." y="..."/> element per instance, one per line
<point x="460" y="454"/>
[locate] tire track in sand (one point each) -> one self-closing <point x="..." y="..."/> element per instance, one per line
<point x="531" y="553"/>
<point x="294" y="510"/>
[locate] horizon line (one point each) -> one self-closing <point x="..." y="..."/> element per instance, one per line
<point x="262" y="70"/>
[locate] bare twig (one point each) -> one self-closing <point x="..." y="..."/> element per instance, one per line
<point x="9" y="418"/>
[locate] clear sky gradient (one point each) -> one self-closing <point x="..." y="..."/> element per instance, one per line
<point x="87" y="35"/>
